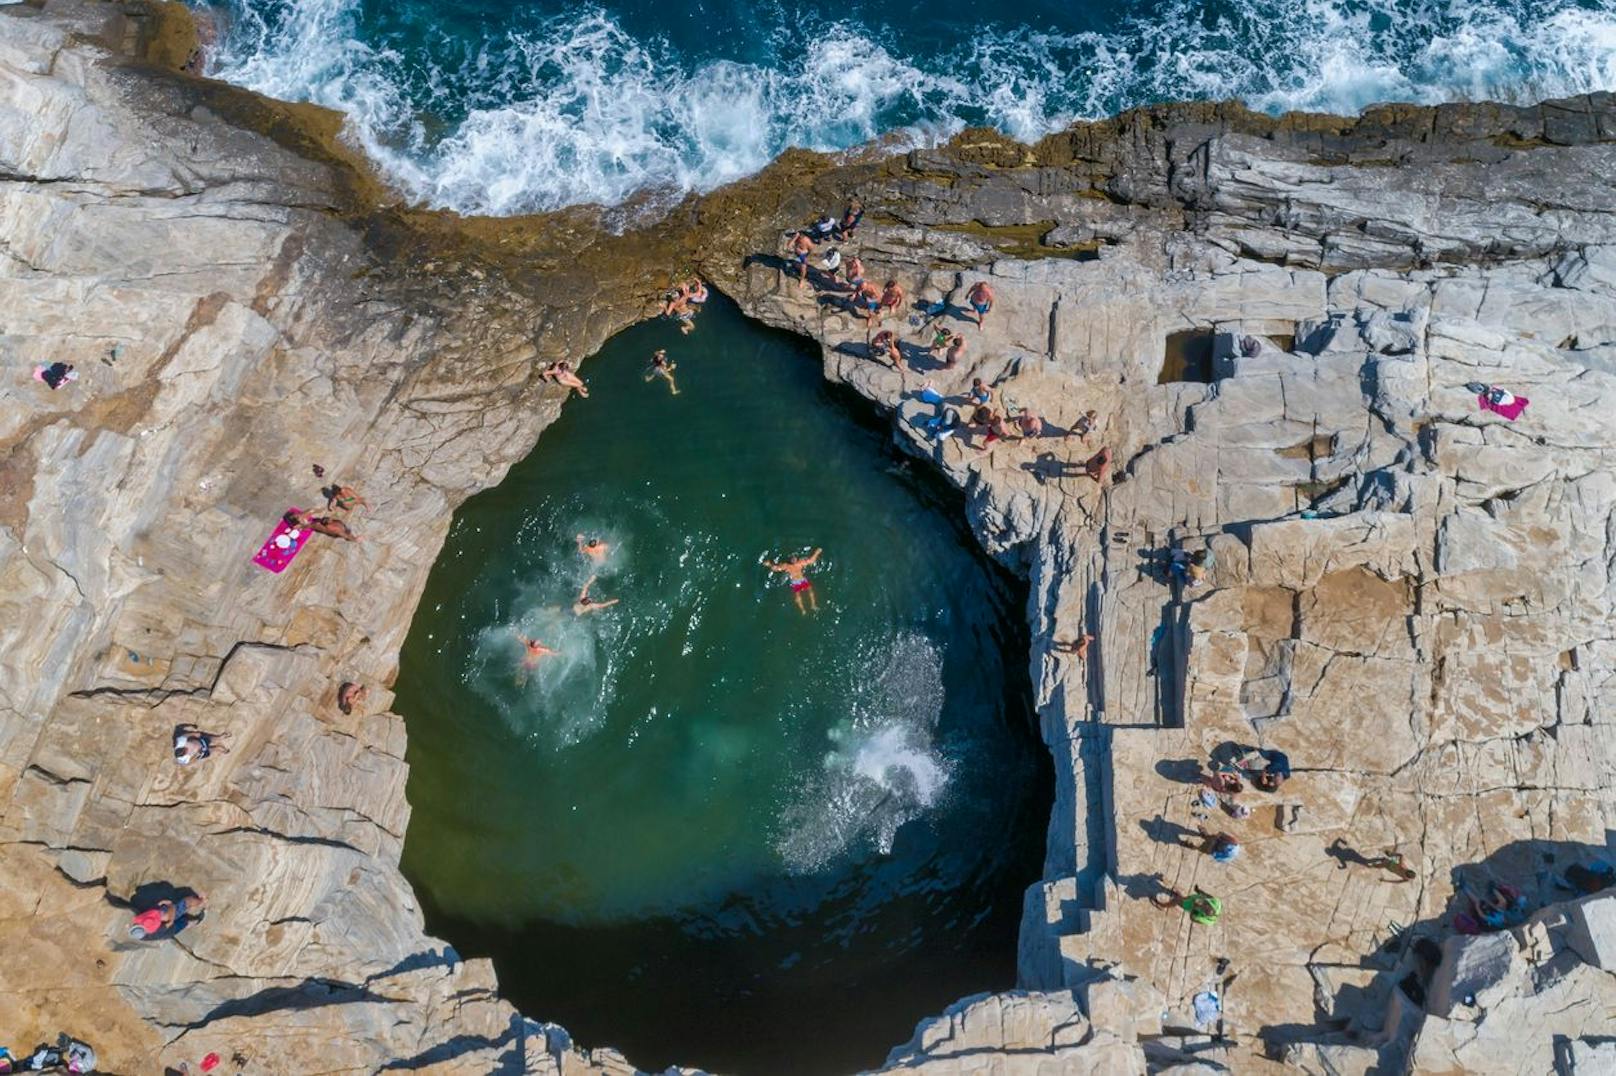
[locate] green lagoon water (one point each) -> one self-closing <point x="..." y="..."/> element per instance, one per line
<point x="714" y="831"/>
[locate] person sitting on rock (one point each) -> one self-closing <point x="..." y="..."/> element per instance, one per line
<point x="1202" y="906"/>
<point x="885" y="347"/>
<point x="350" y="695"/>
<point x="1267" y="768"/>
<point x="167" y="915"/>
<point x="56" y="374"/>
<point x="851" y="216"/>
<point x="1220" y="846"/>
<point x="343" y="498"/>
<point x="191" y="743"/>
<point x="822" y="229"/>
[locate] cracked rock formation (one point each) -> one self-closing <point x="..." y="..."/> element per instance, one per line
<point x="1275" y="322"/>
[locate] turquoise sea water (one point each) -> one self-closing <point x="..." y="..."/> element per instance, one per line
<point x="710" y="814"/>
<point x="494" y="107"/>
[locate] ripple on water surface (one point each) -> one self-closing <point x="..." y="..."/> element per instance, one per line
<point x="707" y="810"/>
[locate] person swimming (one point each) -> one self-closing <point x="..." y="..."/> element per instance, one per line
<point x="661" y="367"/>
<point x="793" y="570"/>
<point x="594" y="548"/>
<point x="533" y="652"/>
<point x="586" y="604"/>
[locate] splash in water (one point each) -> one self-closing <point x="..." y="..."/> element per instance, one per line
<point x="884" y="769"/>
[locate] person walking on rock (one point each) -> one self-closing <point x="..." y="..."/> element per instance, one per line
<point x="981" y="299"/>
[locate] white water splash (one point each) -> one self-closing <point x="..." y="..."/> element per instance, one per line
<point x="884" y="769"/>
<point x="580" y="111"/>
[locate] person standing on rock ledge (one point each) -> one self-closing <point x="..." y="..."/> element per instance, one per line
<point x="981" y="299"/>
<point x="801" y="247"/>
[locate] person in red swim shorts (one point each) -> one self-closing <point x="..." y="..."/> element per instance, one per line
<point x="800" y="586"/>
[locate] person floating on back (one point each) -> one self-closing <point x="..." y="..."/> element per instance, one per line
<point x="586" y="604"/>
<point x="661" y="367"/>
<point x="800" y="586"/>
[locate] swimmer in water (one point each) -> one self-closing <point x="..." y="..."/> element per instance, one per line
<point x="800" y="585"/>
<point x="586" y="604"/>
<point x="594" y="548"/>
<point x="661" y="367"/>
<point x="533" y="652"/>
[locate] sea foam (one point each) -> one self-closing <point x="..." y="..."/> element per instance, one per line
<point x="575" y="109"/>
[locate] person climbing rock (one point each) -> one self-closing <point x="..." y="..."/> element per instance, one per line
<point x="594" y="548"/>
<point x="1188" y="567"/>
<point x="167" y="916"/>
<point x="1078" y="646"/>
<point x="793" y="569"/>
<point x="586" y="604"/>
<point x="1202" y="906"/>
<point x="351" y="695"/>
<point x="191" y="743"/>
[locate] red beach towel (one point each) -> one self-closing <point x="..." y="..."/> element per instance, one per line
<point x="1511" y="411"/>
<point x="275" y="554"/>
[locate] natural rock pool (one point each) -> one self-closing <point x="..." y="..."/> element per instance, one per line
<point x="712" y="830"/>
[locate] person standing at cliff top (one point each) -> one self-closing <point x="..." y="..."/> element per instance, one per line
<point x="594" y="548"/>
<point x="793" y="571"/>
<point x="981" y="299"/>
<point x="661" y="367"/>
<point x="801" y="247"/>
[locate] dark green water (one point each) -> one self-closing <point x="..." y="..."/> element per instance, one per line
<point x="712" y="830"/>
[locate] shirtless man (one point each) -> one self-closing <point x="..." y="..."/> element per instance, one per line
<point x="891" y="298"/>
<point x="793" y="569"/>
<point x="855" y="272"/>
<point x="1030" y="423"/>
<point x="586" y="604"/>
<point x="676" y="301"/>
<point x="955" y="352"/>
<point x="532" y="652"/>
<point x="885" y="346"/>
<point x="594" y="548"/>
<point x="867" y="300"/>
<point x="1098" y="466"/>
<point x="661" y="367"/>
<point x="981" y="299"/>
<point x="801" y="247"/>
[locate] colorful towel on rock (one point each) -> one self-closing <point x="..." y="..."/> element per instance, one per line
<point x="283" y="544"/>
<point x="1511" y="410"/>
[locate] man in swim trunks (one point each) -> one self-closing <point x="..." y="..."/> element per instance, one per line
<point x="533" y="651"/>
<point x="586" y="604"/>
<point x="800" y="585"/>
<point x="855" y="272"/>
<point x="867" y="300"/>
<point x="891" y="298"/>
<point x="594" y="548"/>
<point x="956" y="351"/>
<point x="981" y="299"/>
<point x="801" y="247"/>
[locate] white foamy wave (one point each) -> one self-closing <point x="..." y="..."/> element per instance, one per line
<point x="884" y="768"/>
<point x="577" y="110"/>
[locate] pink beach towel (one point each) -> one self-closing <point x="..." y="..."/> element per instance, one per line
<point x="1511" y="411"/>
<point x="276" y="554"/>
